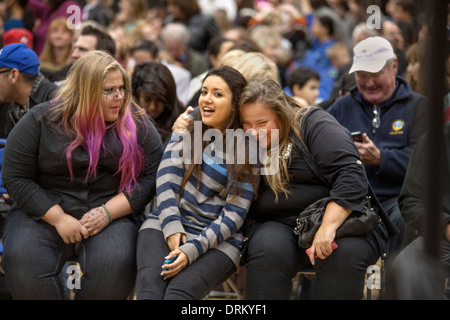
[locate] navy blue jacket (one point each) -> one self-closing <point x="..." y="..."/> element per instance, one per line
<point x="402" y="123"/>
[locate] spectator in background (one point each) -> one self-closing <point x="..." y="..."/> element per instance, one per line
<point x="382" y="107"/>
<point x="392" y="32"/>
<point x="19" y="23"/>
<point x="46" y="11"/>
<point x="96" y="10"/>
<point x="57" y="50"/>
<point x="217" y="47"/>
<point x="413" y="75"/>
<point x="122" y="41"/>
<point x="130" y="13"/>
<point x="90" y="38"/>
<point x="270" y="41"/>
<point x="361" y="32"/>
<point x="176" y="39"/>
<point x="145" y="50"/>
<point x="154" y="88"/>
<point x="322" y="38"/>
<point x="202" y="27"/>
<point x="21" y="85"/>
<point x="210" y="7"/>
<point x="304" y="84"/>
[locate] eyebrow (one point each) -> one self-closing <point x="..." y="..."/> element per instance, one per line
<point x="214" y="89"/>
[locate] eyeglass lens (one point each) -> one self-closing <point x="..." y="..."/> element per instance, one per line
<point x="111" y="94"/>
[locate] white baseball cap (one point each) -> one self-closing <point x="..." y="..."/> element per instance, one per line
<point x="371" y="55"/>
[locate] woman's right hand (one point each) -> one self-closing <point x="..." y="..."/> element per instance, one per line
<point x="184" y="121"/>
<point x="70" y="229"/>
<point x="175" y="240"/>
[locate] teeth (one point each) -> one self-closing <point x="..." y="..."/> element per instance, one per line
<point x="208" y="109"/>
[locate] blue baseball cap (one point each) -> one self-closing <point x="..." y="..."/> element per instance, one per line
<point x="19" y="56"/>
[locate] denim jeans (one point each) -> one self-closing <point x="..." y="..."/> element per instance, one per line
<point x="194" y="282"/>
<point x="34" y="255"/>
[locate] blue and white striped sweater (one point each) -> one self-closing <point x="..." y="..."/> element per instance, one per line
<point x="209" y="218"/>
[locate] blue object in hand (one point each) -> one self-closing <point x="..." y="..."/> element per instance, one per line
<point x="169" y="261"/>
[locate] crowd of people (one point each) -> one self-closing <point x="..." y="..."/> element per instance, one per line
<point x="99" y="97"/>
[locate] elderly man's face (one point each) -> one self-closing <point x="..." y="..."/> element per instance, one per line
<point x="377" y="87"/>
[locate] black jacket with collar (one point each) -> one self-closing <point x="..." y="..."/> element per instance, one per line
<point x="10" y="112"/>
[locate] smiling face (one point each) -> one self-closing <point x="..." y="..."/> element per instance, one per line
<point x="262" y="122"/>
<point x="377" y="87"/>
<point x="111" y="108"/>
<point x="215" y="102"/>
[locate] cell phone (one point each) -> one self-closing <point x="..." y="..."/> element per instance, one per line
<point x="169" y="261"/>
<point x="333" y="247"/>
<point x="357" y="136"/>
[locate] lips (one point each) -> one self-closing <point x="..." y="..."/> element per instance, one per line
<point x="207" y="111"/>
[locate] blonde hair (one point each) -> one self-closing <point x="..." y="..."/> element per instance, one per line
<point x="256" y="65"/>
<point x="47" y="55"/>
<point x="76" y="96"/>
<point x="77" y="109"/>
<point x="289" y="112"/>
<point x="230" y="58"/>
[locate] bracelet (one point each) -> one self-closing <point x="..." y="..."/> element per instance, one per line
<point x="107" y="212"/>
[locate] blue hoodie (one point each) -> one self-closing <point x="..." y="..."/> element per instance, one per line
<point x="402" y="123"/>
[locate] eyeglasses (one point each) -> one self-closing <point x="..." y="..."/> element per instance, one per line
<point x="376" y="119"/>
<point x="5" y="70"/>
<point x="111" y="94"/>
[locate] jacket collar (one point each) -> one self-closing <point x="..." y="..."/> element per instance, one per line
<point x="402" y="91"/>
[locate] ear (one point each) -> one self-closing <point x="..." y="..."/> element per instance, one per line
<point x="14" y="75"/>
<point x="395" y="66"/>
<point x="295" y="89"/>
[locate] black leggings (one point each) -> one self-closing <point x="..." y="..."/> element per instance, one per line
<point x="274" y="258"/>
<point x="193" y="283"/>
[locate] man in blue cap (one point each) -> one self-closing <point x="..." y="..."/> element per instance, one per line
<point x="21" y="84"/>
<point x="21" y="87"/>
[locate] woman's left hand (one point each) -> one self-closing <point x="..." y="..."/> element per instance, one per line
<point x="175" y="267"/>
<point x="321" y="246"/>
<point x="333" y="217"/>
<point x="95" y="220"/>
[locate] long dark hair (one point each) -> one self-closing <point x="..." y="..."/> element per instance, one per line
<point x="156" y="81"/>
<point x="238" y="174"/>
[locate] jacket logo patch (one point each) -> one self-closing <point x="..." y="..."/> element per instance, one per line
<point x="397" y="127"/>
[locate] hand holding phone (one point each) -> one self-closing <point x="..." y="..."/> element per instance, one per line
<point x="169" y="261"/>
<point x="357" y="136"/>
<point x="333" y="247"/>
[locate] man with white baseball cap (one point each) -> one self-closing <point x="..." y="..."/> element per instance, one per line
<point x="371" y="55"/>
<point x="388" y="114"/>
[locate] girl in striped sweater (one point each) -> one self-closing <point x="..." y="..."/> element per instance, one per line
<point x="201" y="205"/>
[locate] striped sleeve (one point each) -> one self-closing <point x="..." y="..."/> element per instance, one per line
<point x="168" y="185"/>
